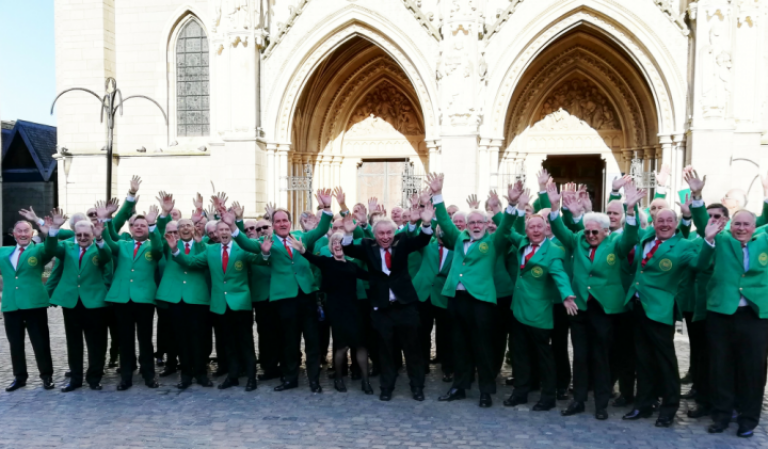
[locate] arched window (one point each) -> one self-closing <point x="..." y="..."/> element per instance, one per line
<point x="192" y="82"/>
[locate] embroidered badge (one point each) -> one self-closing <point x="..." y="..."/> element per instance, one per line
<point x="95" y="260"/>
<point x="665" y="264"/>
<point x="148" y="255"/>
<point x="239" y="265"/>
<point x="483" y="247"/>
<point x="611" y="259"/>
<point x="763" y="259"/>
<point x="537" y="272"/>
<point x="32" y="261"/>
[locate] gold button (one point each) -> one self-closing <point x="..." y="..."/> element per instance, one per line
<point x="225" y="282"/>
<point x="637" y="283"/>
<point x="78" y="286"/>
<point x="225" y="293"/>
<point x="589" y="288"/>
<point x="185" y="282"/>
<point x="185" y="272"/>
<point x="132" y="269"/>
<point x="17" y="288"/>
<point x="740" y="289"/>
<point x="131" y="280"/>
<point x="17" y="277"/>
<point x="461" y="275"/>
<point x="641" y="272"/>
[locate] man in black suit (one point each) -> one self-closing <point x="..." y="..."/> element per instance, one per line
<point x="393" y="298"/>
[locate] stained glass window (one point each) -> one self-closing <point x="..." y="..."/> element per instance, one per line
<point x="192" y="82"/>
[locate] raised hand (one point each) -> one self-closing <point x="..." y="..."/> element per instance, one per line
<point x="514" y="191"/>
<point x="238" y="210"/>
<point x="102" y="210"/>
<point x="135" y="184"/>
<point x="98" y="230"/>
<point x="348" y="224"/>
<point x="197" y="215"/>
<point x="151" y="216"/>
<point x="427" y="213"/>
<point x="571" y="203"/>
<point x="173" y="241"/>
<point x="524" y="199"/>
<point x="341" y="197"/>
<point x="324" y="197"/>
<point x="197" y="201"/>
<point x="361" y="217"/>
<point x="554" y="197"/>
<point x="211" y="212"/>
<point x="435" y="182"/>
<point x="662" y="176"/>
<point x="632" y="197"/>
<point x="199" y="234"/>
<point x="58" y="217"/>
<point x="414" y="200"/>
<point x="695" y="183"/>
<point x="166" y="201"/>
<point x="269" y="210"/>
<point x="473" y="202"/>
<point x="493" y="201"/>
<point x="570" y="306"/>
<point x="373" y="203"/>
<point x="29" y="215"/>
<point x="685" y="206"/>
<point x="425" y="196"/>
<point x="713" y="228"/>
<point x="219" y="201"/>
<point x="296" y="244"/>
<point x="112" y="206"/>
<point x="584" y="200"/>
<point x="619" y="182"/>
<point x="543" y="178"/>
<point x="266" y="245"/>
<point x="228" y="217"/>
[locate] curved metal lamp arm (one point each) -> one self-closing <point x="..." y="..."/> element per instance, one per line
<point x="72" y="89"/>
<point x="119" y="105"/>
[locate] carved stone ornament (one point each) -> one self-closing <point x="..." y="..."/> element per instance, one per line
<point x="581" y="98"/>
<point x="386" y="105"/>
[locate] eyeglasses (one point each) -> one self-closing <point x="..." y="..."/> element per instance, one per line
<point x="82" y="236"/>
<point x="263" y="228"/>
<point x="594" y="232"/>
<point x="250" y="228"/>
<point x="92" y="215"/>
<point x="475" y="223"/>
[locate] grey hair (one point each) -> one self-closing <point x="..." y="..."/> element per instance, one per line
<point x="211" y="224"/>
<point x="79" y="216"/>
<point x="599" y="218"/>
<point x="336" y="236"/>
<point x="643" y="220"/>
<point x="677" y="219"/>
<point x="459" y="213"/>
<point x="754" y="217"/>
<point x="84" y="223"/>
<point x="384" y="221"/>
<point x="478" y="212"/>
<point x="247" y="222"/>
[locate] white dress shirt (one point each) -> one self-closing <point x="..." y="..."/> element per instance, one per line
<point x="15" y="255"/>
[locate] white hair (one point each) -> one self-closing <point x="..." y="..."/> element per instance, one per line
<point x="459" y="213"/>
<point x="83" y="224"/>
<point x="336" y="236"/>
<point x="599" y="218"/>
<point x="478" y="212"/>
<point x="384" y="221"/>
<point x="76" y="218"/>
<point x="643" y="220"/>
<point x="211" y="225"/>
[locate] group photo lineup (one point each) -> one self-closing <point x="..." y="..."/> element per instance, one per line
<point x="384" y="223"/>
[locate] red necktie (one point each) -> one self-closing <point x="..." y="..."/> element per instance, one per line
<point x="440" y="261"/>
<point x="136" y="250"/>
<point x="592" y="253"/>
<point x="225" y="258"/>
<point x="186" y="248"/>
<point x="651" y="253"/>
<point x="388" y="259"/>
<point x="288" y="248"/>
<point x="534" y="247"/>
<point x="21" y="251"/>
<point x="631" y="256"/>
<point x="82" y="251"/>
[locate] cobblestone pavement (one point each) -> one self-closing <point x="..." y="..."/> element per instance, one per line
<point x="208" y="417"/>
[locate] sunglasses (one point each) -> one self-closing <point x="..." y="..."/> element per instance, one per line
<point x="92" y="215"/>
<point x="594" y="232"/>
<point x="82" y="236"/>
<point x="250" y="228"/>
<point x="263" y="228"/>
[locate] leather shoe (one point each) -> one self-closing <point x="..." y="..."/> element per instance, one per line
<point x="16" y="384"/>
<point x="485" y="400"/>
<point x="699" y="412"/>
<point x="228" y="382"/>
<point x="96" y="386"/>
<point x="573" y="408"/>
<point x="687" y="379"/>
<point x="151" y="383"/>
<point x="167" y="372"/>
<point x="717" y="427"/>
<point x="418" y="394"/>
<point x="509" y="381"/>
<point x="543" y="406"/>
<point x="315" y="387"/>
<point x="447" y="378"/>
<point x="287" y="386"/>
<point x="743" y="432"/>
<point x="70" y="387"/>
<point x="622" y="401"/>
<point x="338" y="384"/>
<point x="664" y="421"/>
<point x="251" y="385"/>
<point x="367" y="389"/>
<point x="385" y="396"/>
<point x="204" y="382"/>
<point x="454" y="394"/>
<point x="48" y="383"/>
<point x="562" y="395"/>
<point x="122" y="386"/>
<point x="636" y="414"/>
<point x="513" y="400"/>
<point x="601" y="414"/>
<point x="268" y="376"/>
<point x="690" y="395"/>
<point x="183" y="385"/>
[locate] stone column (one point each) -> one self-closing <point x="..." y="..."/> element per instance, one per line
<point x="282" y="171"/>
<point x="272" y="173"/>
<point x="483" y="167"/>
<point x="433" y="146"/>
<point x="493" y="155"/>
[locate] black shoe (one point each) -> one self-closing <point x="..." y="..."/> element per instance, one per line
<point x="636" y="414"/>
<point x="562" y="394"/>
<point x="220" y="372"/>
<point x="513" y="400"/>
<point x="228" y="382"/>
<point x="543" y="406"/>
<point x="167" y="371"/>
<point x="184" y="384"/>
<point x="601" y="414"/>
<point x="385" y="396"/>
<point x="690" y="395"/>
<point x="48" y="383"/>
<point x="355" y="376"/>
<point x="160" y="361"/>
<point x="573" y="408"/>
<point x="338" y="384"/>
<point x="204" y="382"/>
<point x="717" y="427"/>
<point x="151" y="383"/>
<point x="687" y="379"/>
<point x="122" y="386"/>
<point x="447" y="378"/>
<point x="664" y="421"/>
<point x="622" y="401"/>
<point x="16" y="384"/>
<point x="699" y="412"/>
<point x="68" y="373"/>
<point x="287" y="386"/>
<point x="744" y="432"/>
<point x="418" y="394"/>
<point x="70" y="387"/>
<point x="454" y="394"/>
<point x="112" y="362"/>
<point x="96" y="386"/>
<point x="485" y="400"/>
<point x="367" y="389"/>
<point x="509" y="381"/>
<point x="315" y="387"/>
<point x="251" y="385"/>
<point x="268" y="375"/>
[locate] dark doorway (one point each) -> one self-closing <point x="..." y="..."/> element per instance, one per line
<point x="589" y="170"/>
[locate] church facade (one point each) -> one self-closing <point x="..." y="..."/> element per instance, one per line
<point x="266" y="98"/>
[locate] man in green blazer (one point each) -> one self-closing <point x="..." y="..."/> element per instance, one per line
<point x="293" y="287"/>
<point x="471" y="293"/>
<point x="599" y="292"/>
<point x="25" y="305"/>
<point x="133" y="293"/>
<point x="80" y="294"/>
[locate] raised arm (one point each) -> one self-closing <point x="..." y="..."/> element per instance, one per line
<point x="450" y="231"/>
<point x="324" y="199"/>
<point x="126" y="210"/>
<point x="559" y="229"/>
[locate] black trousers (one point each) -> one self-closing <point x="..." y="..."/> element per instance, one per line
<point x="503" y="331"/>
<point x="219" y="333"/>
<point x="298" y="316"/>
<point x="166" y="340"/>
<point x="657" y="371"/>
<point x="737" y="347"/>
<point x="560" y="346"/>
<point x="444" y="340"/>
<point x="91" y="323"/>
<point x="399" y="323"/>
<point x="700" y="359"/>
<point x="591" y="336"/>
<point x="114" y="339"/>
<point x="426" y="323"/>
<point x="622" y="358"/>
<point x="135" y="321"/>
<point x="364" y="312"/>
<point x="324" y="339"/>
<point x="527" y="339"/>
<point x="35" y="322"/>
<point x="238" y="341"/>
<point x="694" y="346"/>
<point x="189" y="329"/>
<point x="473" y="341"/>
<point x="270" y="336"/>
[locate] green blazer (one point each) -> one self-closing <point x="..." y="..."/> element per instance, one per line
<point x="729" y="281"/>
<point x="228" y="289"/>
<point x="429" y="282"/>
<point x="474" y="269"/>
<point x="259" y="276"/>
<point x="658" y="282"/>
<point x="134" y="278"/>
<point x="600" y="278"/>
<point x="184" y="283"/>
<point x="288" y="274"/>
<point x="122" y="216"/>
<point x="84" y="280"/>
<point x="23" y="286"/>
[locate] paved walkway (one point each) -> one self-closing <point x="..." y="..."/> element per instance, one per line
<point x="198" y="417"/>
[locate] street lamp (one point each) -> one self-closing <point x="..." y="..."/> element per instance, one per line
<point x="109" y="107"/>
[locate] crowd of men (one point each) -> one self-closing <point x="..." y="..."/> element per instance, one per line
<point x="507" y="281"/>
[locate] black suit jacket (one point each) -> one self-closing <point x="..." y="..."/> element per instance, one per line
<point x="399" y="280"/>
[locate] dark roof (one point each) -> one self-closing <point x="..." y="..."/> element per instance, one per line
<point x="40" y="140"/>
